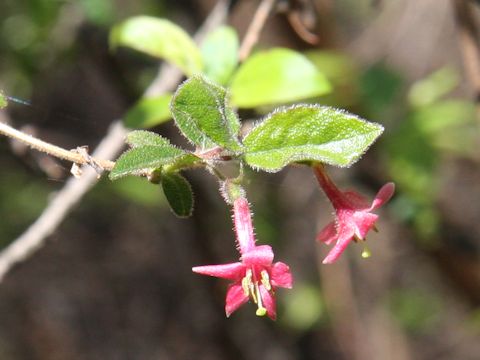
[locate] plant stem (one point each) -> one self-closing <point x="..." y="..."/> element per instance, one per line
<point x="40" y="145"/>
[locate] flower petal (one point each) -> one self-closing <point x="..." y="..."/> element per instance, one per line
<point x="355" y="200"/>
<point x="268" y="301"/>
<point x="233" y="271"/>
<point x="235" y="298"/>
<point x="364" y="222"/>
<point x="328" y="234"/>
<point x="259" y="255"/>
<point x="345" y="235"/>
<point x="383" y="195"/>
<point x="281" y="275"/>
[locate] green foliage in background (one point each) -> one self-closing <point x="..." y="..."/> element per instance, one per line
<point x="220" y="54"/>
<point x="416" y="311"/>
<point x="433" y="127"/>
<point x="159" y="38"/>
<point x="149" y="112"/>
<point x="276" y="76"/>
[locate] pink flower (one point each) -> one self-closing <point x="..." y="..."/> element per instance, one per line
<point x="255" y="276"/>
<point x="354" y="217"/>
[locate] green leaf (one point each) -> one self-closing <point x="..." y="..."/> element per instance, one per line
<point x="427" y="91"/>
<point x="201" y="112"/>
<point x="179" y="194"/>
<point x="139" y="159"/>
<point x="159" y="38"/>
<point x="134" y="189"/>
<point x="276" y="76"/>
<point x="148" y="112"/>
<point x="188" y="160"/>
<point x="343" y="74"/>
<point x="220" y="54"/>
<point x="3" y="101"/>
<point x="140" y="138"/>
<point x="444" y="116"/>
<point x="337" y="66"/>
<point x="308" y="132"/>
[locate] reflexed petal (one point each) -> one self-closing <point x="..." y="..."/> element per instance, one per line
<point x="235" y="298"/>
<point x="328" y="234"/>
<point x="259" y="255"/>
<point x="383" y="195"/>
<point x="281" y="275"/>
<point x="269" y="302"/>
<point x="233" y="271"/>
<point x="345" y="235"/>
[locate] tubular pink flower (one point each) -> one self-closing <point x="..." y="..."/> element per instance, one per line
<point x="354" y="217"/>
<point x="255" y="276"/>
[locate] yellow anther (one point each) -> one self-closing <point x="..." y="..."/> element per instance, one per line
<point x="266" y="280"/>
<point x="246" y="291"/>
<point x="247" y="285"/>
<point x="261" y="311"/>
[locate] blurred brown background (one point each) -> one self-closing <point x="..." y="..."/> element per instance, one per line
<point x="115" y="282"/>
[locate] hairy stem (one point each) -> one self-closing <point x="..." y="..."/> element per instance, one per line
<point x="53" y="150"/>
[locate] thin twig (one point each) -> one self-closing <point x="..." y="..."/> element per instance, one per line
<point x="53" y="150"/>
<point x="255" y="28"/>
<point x="35" y="236"/>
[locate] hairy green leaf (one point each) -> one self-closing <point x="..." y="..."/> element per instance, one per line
<point x="308" y="132"/>
<point x="179" y="194"/>
<point x="144" y="158"/>
<point x="140" y="138"/>
<point x="187" y="160"/>
<point x="159" y="38"/>
<point x="201" y="112"/>
<point x="276" y="76"/>
<point x="220" y="54"/>
<point x="149" y="111"/>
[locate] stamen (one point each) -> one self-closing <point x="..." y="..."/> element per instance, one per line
<point x="252" y="292"/>
<point x="266" y="280"/>
<point x="247" y="284"/>
<point x="261" y="311"/>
